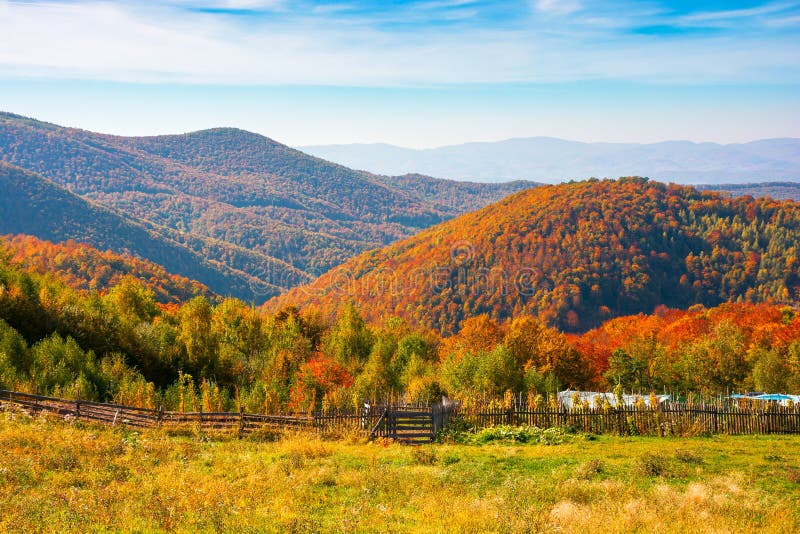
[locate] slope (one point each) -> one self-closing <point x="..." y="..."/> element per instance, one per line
<point x="576" y="254"/>
<point x="84" y="267"/>
<point x="30" y="204"/>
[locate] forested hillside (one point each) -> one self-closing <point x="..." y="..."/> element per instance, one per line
<point x="120" y="345"/>
<point x="35" y="206"/>
<point x="574" y="255"/>
<point x="256" y="198"/>
<point x="83" y="267"/>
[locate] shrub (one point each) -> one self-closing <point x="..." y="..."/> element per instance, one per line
<point x="450" y="459"/>
<point x="590" y="469"/>
<point x="265" y="434"/>
<point x="689" y="457"/>
<point x="522" y="434"/>
<point x="424" y="456"/>
<point x="458" y="430"/>
<point x="653" y="465"/>
<point x="793" y="475"/>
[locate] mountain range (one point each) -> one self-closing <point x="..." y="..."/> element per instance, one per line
<point x="238" y="212"/>
<point x="547" y="159"/>
<point x="248" y="217"/>
<point x="776" y="190"/>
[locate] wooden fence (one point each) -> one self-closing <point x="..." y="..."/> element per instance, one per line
<point x="364" y="419"/>
<point x="671" y="419"/>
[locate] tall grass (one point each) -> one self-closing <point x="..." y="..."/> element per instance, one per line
<point x="74" y="477"/>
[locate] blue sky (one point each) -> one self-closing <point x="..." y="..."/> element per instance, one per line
<point x="414" y="73"/>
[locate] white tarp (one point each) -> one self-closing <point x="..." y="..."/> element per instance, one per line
<point x="780" y="398"/>
<point x="565" y="398"/>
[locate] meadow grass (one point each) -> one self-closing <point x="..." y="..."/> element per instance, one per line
<point x="77" y="477"/>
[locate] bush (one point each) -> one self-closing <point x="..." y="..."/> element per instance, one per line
<point x="793" y="475"/>
<point x="461" y="432"/>
<point x="522" y="434"/>
<point x="450" y="459"/>
<point x="689" y="457"/>
<point x="458" y="430"/>
<point x="590" y="469"/>
<point x="424" y="456"/>
<point x="653" y="465"/>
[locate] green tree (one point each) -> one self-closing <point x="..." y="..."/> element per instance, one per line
<point x="196" y="335"/>
<point x="14" y="357"/>
<point x="349" y="342"/>
<point x="770" y="371"/>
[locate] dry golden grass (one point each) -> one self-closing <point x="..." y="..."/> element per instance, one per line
<point x="72" y="477"/>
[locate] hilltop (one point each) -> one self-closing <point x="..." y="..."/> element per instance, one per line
<point x="576" y="254"/>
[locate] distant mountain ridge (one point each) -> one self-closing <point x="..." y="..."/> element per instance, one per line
<point x="238" y="199"/>
<point x="547" y="159"/>
<point x="776" y="190"/>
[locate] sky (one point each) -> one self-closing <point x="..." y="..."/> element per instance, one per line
<point x="420" y="73"/>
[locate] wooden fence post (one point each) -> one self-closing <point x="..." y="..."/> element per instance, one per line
<point x="622" y="423"/>
<point x="714" y="422"/>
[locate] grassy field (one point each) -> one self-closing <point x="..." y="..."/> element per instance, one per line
<point x="73" y="477"/>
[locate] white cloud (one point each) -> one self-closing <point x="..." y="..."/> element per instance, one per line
<point x="124" y="42"/>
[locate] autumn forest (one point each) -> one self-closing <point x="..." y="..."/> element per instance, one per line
<point x="180" y="271"/>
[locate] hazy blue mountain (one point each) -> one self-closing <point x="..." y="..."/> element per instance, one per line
<point x="545" y="159"/>
<point x="776" y="190"/>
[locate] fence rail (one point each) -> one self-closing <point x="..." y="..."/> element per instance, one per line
<point x="670" y="419"/>
<point x="673" y="419"/>
<point x="115" y="414"/>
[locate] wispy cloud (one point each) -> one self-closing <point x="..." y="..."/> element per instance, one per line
<point x="400" y="43"/>
<point x="234" y="5"/>
<point x="730" y="14"/>
<point x="557" y="7"/>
